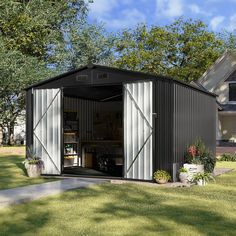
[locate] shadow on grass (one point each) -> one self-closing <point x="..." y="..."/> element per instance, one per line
<point x="24" y="219"/>
<point x="158" y="208"/>
<point x="21" y="166"/>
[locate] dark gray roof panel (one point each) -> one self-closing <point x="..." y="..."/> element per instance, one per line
<point x="232" y="77"/>
<point x="102" y="75"/>
<point x="228" y="107"/>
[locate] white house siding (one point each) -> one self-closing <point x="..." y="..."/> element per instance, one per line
<point x="228" y="127"/>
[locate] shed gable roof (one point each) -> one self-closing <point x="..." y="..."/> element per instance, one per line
<point x="134" y="74"/>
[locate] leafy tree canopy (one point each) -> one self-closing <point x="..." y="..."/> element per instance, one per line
<point x="183" y="49"/>
<point x="33" y="27"/>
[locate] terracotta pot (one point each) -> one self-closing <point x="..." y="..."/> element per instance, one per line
<point x="34" y="170"/>
<point x="183" y="177"/>
<point x="161" y="181"/>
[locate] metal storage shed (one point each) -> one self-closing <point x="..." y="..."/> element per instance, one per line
<point x="128" y="124"/>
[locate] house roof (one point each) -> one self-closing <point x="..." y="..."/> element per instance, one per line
<point x="216" y="64"/>
<point x="228" y="107"/>
<point x="141" y="75"/>
<point x="232" y="77"/>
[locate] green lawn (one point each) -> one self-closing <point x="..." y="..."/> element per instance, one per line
<point x="129" y="209"/>
<point x="12" y="172"/>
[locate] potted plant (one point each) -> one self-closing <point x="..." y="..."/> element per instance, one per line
<point x="203" y="178"/>
<point x="199" y="159"/>
<point x="183" y="175"/>
<point x="69" y="160"/>
<point x="161" y="176"/>
<point x="33" y="164"/>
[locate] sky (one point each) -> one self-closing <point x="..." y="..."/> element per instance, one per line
<point x="119" y="14"/>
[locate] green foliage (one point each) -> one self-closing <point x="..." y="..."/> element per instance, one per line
<point x="33" y="27"/>
<point x="39" y="39"/>
<point x="183" y="49"/>
<point x="183" y="170"/>
<point x="17" y="71"/>
<point x="91" y="44"/>
<point x="32" y="159"/>
<point x="228" y="157"/>
<point x="161" y="174"/>
<point x="198" y="153"/>
<point x="203" y="176"/>
<point x="229" y="39"/>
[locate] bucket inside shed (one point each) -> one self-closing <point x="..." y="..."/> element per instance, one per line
<point x="93" y="131"/>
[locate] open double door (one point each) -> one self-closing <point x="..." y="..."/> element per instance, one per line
<point x="137" y="129"/>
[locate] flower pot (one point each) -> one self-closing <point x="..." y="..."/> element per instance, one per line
<point x="34" y="170"/>
<point x="193" y="169"/>
<point x="68" y="162"/>
<point x="161" y="181"/>
<point x="201" y="182"/>
<point x="183" y="176"/>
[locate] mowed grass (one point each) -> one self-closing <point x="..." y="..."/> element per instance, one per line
<point x="12" y="171"/>
<point x="129" y="209"/>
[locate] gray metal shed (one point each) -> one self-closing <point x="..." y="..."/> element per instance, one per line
<point x="116" y="122"/>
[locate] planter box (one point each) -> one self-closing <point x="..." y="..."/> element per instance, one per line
<point x="193" y="169"/>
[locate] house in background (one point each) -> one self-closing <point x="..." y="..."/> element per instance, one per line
<point x="220" y="79"/>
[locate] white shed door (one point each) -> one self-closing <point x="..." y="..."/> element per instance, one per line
<point x="138" y="130"/>
<point x="47" y="129"/>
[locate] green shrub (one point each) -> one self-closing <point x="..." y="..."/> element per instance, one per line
<point x="161" y="174"/>
<point x="228" y="157"/>
<point x="198" y="153"/>
<point x="183" y="170"/>
<point x="204" y="176"/>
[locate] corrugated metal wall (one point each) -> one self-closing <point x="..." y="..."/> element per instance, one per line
<point x="138" y="128"/>
<point x="86" y="110"/>
<point x="29" y="118"/>
<point x="47" y="128"/>
<point x="163" y="123"/>
<point x="194" y="116"/>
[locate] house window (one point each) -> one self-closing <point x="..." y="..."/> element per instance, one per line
<point x="232" y="92"/>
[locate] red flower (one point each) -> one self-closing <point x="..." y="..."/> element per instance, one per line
<point x="192" y="150"/>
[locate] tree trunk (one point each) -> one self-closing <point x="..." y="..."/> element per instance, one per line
<point x="10" y="140"/>
<point x="1" y="135"/>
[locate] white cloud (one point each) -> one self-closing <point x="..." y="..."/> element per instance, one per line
<point x="105" y="11"/>
<point x="195" y="8"/>
<point x="128" y="18"/>
<point x="100" y="8"/>
<point x="232" y="23"/>
<point x="169" y="8"/>
<point x="216" y="21"/>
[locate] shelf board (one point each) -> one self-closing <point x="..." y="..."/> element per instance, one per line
<point x="70" y="142"/>
<point x="73" y="154"/>
<point x="66" y="131"/>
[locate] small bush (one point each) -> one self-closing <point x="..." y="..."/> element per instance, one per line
<point x="198" y="153"/>
<point x="228" y="157"/>
<point x="161" y="174"/>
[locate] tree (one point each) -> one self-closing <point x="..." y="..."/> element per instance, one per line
<point x="39" y="39"/>
<point x="35" y="27"/>
<point x="91" y="44"/>
<point x="229" y="39"/>
<point x="183" y="49"/>
<point x="17" y="71"/>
